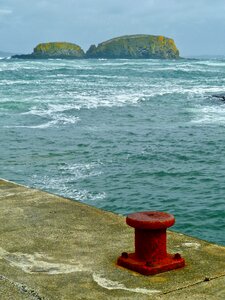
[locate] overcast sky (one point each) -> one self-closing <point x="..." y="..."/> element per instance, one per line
<point x="197" y="26"/>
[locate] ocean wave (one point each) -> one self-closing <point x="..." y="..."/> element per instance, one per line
<point x="80" y="171"/>
<point x="14" y="82"/>
<point x="209" y="115"/>
<point x="211" y="63"/>
<point x="59" y="112"/>
<point x="83" y="102"/>
<point x="84" y="195"/>
<point x="58" y="120"/>
<point x="207" y="90"/>
<point x="61" y="108"/>
<point x="64" y="188"/>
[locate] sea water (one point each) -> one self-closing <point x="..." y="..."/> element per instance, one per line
<point x="121" y="135"/>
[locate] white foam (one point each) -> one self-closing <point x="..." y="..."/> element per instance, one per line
<point x="61" y="184"/>
<point x="58" y="121"/>
<point x="81" y="171"/>
<point x="212" y="63"/>
<point x="115" y="285"/>
<point x="53" y="97"/>
<point x="209" y="115"/>
<point x="84" y="195"/>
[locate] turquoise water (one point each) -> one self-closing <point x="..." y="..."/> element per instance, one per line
<point x="122" y="135"/>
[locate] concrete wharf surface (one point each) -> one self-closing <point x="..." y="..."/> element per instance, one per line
<point x="55" y="248"/>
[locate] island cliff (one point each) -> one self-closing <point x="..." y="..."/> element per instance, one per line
<point x="135" y="46"/>
<point x="54" y="50"/>
<point x="128" y="46"/>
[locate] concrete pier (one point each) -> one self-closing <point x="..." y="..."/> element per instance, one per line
<point x="55" y="248"/>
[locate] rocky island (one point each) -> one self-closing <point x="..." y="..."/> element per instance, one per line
<point x="135" y="46"/>
<point x="54" y="50"/>
<point x="128" y="46"/>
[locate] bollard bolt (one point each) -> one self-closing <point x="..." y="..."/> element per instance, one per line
<point x="150" y="255"/>
<point x="124" y="255"/>
<point x="177" y="256"/>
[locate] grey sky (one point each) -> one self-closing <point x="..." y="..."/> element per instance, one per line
<point x="197" y="26"/>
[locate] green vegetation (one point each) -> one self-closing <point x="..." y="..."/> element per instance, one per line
<point x="128" y="46"/>
<point x="59" y="49"/>
<point x="135" y="46"/>
<point x="55" y="50"/>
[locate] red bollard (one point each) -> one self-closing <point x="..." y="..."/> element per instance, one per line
<point x="150" y="255"/>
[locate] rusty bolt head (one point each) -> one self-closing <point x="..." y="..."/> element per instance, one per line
<point x="177" y="256"/>
<point x="124" y="255"/>
<point x="148" y="264"/>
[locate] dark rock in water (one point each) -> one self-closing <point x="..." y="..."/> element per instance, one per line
<point x="135" y="46"/>
<point x="54" y="50"/>
<point x="219" y="96"/>
<point x="24" y="56"/>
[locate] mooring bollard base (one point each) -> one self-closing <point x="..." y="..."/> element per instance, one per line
<point x="131" y="262"/>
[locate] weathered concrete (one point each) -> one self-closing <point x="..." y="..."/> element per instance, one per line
<point x="55" y="248"/>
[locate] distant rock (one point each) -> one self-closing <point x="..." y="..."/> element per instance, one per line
<point x="219" y="96"/>
<point x="135" y="46"/>
<point x="54" y="50"/>
<point x="128" y="46"/>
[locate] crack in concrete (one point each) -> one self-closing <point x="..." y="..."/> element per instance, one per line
<point x="23" y="288"/>
<point x="206" y="279"/>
